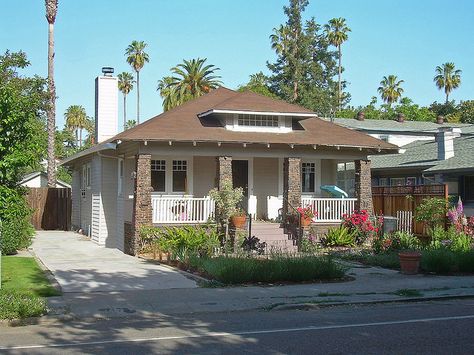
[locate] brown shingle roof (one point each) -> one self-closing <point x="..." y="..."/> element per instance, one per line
<point x="183" y="124"/>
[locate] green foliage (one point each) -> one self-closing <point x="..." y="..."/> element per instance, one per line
<point x="259" y="84"/>
<point x="448" y="78"/>
<point x="309" y="244"/>
<point x="466" y="111"/>
<point x="388" y="260"/>
<point x="17" y="231"/>
<point x="20" y="304"/>
<point x="234" y="270"/>
<point x="180" y="242"/>
<point x="465" y="261"/>
<point x="397" y="241"/>
<point x="432" y="211"/>
<point x="340" y="236"/>
<point x="438" y="260"/>
<point x="390" y="89"/>
<point x="226" y="200"/>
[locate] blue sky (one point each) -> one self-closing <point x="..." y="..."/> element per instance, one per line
<point x="407" y="38"/>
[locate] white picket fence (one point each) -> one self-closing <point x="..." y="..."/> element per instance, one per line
<point x="182" y="209"/>
<point x="329" y="209"/>
<point x="405" y="221"/>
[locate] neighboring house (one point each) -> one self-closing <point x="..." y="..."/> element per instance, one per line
<point x="40" y="179"/>
<point x="160" y="172"/>
<point x="435" y="153"/>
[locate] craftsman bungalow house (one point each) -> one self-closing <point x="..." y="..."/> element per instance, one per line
<point x="160" y="172"/>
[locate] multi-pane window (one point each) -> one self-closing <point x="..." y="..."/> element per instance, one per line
<point x="180" y="168"/>
<point x="86" y="179"/>
<point x="397" y="181"/>
<point x="383" y="182"/>
<point x="468" y="188"/>
<point x="257" y="120"/>
<point x="308" y="173"/>
<point x="158" y="178"/>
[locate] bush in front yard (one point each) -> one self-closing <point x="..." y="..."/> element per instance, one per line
<point x="235" y="270"/>
<point x="438" y="261"/>
<point x="17" y="231"/>
<point x="16" y="304"/>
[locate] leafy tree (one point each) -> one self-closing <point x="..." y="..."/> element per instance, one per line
<point x="305" y="67"/>
<point x="443" y="109"/>
<point x="125" y="85"/>
<point x="137" y="57"/>
<point x="448" y="78"/>
<point x="390" y="89"/>
<point x="189" y="80"/>
<point x="336" y="31"/>
<point x="76" y="121"/>
<point x="466" y="111"/>
<point x="51" y="11"/>
<point x="258" y="83"/>
<point x="130" y="124"/>
<point x="414" y="112"/>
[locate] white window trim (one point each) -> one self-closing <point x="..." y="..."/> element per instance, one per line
<point x="233" y="125"/>
<point x="169" y="176"/>
<point x="317" y="177"/>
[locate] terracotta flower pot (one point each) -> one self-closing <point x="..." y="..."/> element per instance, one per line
<point x="305" y="221"/>
<point x="238" y="221"/>
<point x="409" y="262"/>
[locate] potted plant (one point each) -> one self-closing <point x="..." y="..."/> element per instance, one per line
<point x="409" y="262"/>
<point x="226" y="199"/>
<point x="239" y="218"/>
<point x="306" y="215"/>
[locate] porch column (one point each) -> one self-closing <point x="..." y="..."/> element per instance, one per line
<point x="224" y="171"/>
<point x="363" y="186"/>
<point x="291" y="184"/>
<point x="142" y="209"/>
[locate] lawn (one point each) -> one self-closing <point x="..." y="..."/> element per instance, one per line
<point x="24" y="285"/>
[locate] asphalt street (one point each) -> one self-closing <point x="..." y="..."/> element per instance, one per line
<point x="436" y="327"/>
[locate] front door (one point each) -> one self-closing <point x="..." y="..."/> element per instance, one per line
<point x="240" y="178"/>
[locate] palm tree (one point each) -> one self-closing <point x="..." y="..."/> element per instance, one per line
<point x="447" y="78"/>
<point x="51" y="11"/>
<point x="190" y="79"/>
<point x="76" y="120"/>
<point x="390" y="89"/>
<point x="130" y="124"/>
<point x="336" y="32"/>
<point x="137" y="57"/>
<point x="125" y="85"/>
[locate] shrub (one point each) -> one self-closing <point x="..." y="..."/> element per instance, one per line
<point x="309" y="244"/>
<point x="387" y="260"/>
<point x="226" y="200"/>
<point x="340" y="236"/>
<point x="253" y="245"/>
<point x="465" y="261"/>
<point x="359" y="222"/>
<point x="396" y="241"/>
<point x="17" y="231"/>
<point x="438" y="261"/>
<point x="432" y="211"/>
<point x="235" y="270"/>
<point x="16" y="304"/>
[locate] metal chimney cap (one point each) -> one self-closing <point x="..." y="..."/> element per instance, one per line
<point x="107" y="71"/>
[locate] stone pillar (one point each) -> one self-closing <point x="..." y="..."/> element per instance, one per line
<point x="363" y="186"/>
<point x="142" y="209"/>
<point x="291" y="184"/>
<point x="224" y="171"/>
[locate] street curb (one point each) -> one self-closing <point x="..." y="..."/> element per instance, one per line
<point x="184" y="273"/>
<point x="48" y="273"/>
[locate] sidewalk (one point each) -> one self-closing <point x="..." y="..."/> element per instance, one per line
<point x="371" y="285"/>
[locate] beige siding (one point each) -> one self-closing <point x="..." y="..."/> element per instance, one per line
<point x="76" y="198"/>
<point x="204" y="175"/>
<point x="265" y="181"/>
<point x="328" y="172"/>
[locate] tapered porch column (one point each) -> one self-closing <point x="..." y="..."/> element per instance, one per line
<point x="224" y="171"/>
<point x="142" y="209"/>
<point x="291" y="184"/>
<point x="363" y="186"/>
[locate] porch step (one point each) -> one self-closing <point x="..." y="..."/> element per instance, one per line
<point x="274" y="236"/>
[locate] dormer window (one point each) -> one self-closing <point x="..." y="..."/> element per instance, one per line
<point x="250" y="120"/>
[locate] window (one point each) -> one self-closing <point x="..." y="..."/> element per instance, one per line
<point x="158" y="170"/>
<point x="397" y="181"/>
<point x="85" y="179"/>
<point x="468" y="188"/>
<point x="180" y="168"/>
<point x="411" y="181"/>
<point x="308" y="172"/>
<point x="257" y="120"/>
<point x="383" y="182"/>
<point x="120" y="177"/>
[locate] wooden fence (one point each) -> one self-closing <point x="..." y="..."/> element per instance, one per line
<point x="52" y="208"/>
<point x="391" y="200"/>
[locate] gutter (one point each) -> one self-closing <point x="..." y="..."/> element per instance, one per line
<point x="95" y="149"/>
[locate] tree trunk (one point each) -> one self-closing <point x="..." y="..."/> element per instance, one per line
<point x="138" y="97"/>
<point x="51" y="123"/>
<point x="76" y="131"/>
<point x="447" y="98"/>
<point x="80" y="137"/>
<point x="339" y="101"/>
<point x="124" y="112"/>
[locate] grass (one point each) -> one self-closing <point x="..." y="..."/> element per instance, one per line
<point x="239" y="270"/>
<point x="24" y="285"/>
<point x="387" y="260"/>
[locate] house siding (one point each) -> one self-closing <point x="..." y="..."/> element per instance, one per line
<point x="328" y="172"/>
<point x="204" y="175"/>
<point x="97" y="210"/>
<point x="85" y="204"/>
<point x="76" y="199"/>
<point x="265" y="182"/>
<point x="108" y="227"/>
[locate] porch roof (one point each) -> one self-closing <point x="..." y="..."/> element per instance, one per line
<point x="184" y="124"/>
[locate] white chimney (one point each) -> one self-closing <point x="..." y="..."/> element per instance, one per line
<point x="106" y="105"/>
<point x="445" y="139"/>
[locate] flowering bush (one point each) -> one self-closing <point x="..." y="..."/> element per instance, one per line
<point x="309" y="244"/>
<point x="307" y="212"/>
<point x="459" y="221"/>
<point x="395" y="242"/>
<point x="360" y="224"/>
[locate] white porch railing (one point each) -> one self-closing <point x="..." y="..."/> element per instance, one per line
<point x="329" y="209"/>
<point x="182" y="209"/>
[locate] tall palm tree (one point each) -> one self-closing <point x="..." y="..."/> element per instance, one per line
<point x="125" y="85"/>
<point x="76" y="120"/>
<point x="51" y="11"/>
<point x="137" y="57"/>
<point x="390" y="89"/>
<point x="336" y="32"/>
<point x="447" y="78"/>
<point x="190" y="79"/>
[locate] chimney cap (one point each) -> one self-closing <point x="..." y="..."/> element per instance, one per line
<point x="400" y="117"/>
<point x="107" y="71"/>
<point x="440" y="119"/>
<point x="360" y="116"/>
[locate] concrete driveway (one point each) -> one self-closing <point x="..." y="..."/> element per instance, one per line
<point x="79" y="265"/>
